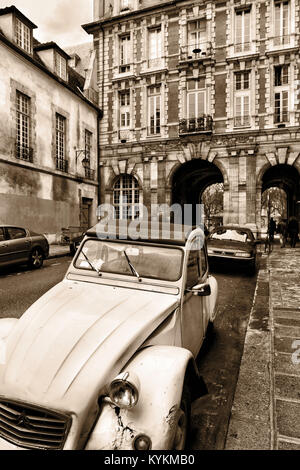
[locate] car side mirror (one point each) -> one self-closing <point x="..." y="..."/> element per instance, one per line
<point x="202" y="290"/>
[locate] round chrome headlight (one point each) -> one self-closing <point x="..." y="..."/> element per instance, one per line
<point x="124" y="390"/>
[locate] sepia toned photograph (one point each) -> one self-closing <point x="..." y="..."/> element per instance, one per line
<point x="149" y="228"/>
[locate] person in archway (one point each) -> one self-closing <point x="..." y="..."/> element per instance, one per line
<point x="282" y="230"/>
<point x="272" y="229"/>
<point x="293" y="230"/>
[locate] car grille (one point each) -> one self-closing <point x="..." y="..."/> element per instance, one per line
<point x="32" y="427"/>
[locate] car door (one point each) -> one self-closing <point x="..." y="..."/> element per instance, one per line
<point x="192" y="321"/>
<point x="4" y="258"/>
<point x="18" y="245"/>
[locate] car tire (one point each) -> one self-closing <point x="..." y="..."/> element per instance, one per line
<point x="183" y="420"/>
<point x="36" y="258"/>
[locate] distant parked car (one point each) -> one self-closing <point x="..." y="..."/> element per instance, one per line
<point x="22" y="246"/>
<point x="235" y="244"/>
<point x="73" y="236"/>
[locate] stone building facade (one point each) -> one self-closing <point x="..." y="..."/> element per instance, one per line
<point x="198" y="92"/>
<point x="48" y="133"/>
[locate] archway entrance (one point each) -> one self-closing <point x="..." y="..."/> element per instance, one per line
<point x="191" y="180"/>
<point x="287" y="179"/>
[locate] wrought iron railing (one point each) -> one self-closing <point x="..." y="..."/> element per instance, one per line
<point x="196" y="51"/>
<point x="24" y="153"/>
<point x="199" y="124"/>
<point x="89" y="174"/>
<point x="62" y="165"/>
<point x="92" y="95"/>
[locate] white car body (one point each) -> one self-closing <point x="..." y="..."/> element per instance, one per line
<point x="57" y="362"/>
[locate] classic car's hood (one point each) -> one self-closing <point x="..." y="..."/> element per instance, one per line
<point x="230" y="244"/>
<point x="75" y="339"/>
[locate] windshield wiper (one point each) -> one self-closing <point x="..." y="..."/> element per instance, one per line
<point x="91" y="265"/>
<point x="133" y="270"/>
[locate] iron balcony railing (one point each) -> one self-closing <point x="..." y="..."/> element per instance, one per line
<point x="196" y="51"/>
<point x="203" y="123"/>
<point x="242" y="121"/>
<point x="62" y="165"/>
<point x="92" y="95"/>
<point x="89" y="174"/>
<point x="24" y="153"/>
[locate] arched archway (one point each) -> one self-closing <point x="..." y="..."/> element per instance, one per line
<point x="191" y="179"/>
<point x="287" y="178"/>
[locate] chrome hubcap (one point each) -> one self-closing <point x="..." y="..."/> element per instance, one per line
<point x="36" y="258"/>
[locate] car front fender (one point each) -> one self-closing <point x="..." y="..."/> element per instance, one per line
<point x="162" y="371"/>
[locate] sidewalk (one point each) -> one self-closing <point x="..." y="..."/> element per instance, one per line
<point x="266" y="408"/>
<point x="58" y="251"/>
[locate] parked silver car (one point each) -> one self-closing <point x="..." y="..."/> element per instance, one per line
<point x="22" y="246"/>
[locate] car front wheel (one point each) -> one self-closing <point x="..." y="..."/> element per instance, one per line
<point x="36" y="258"/>
<point x="183" y="420"/>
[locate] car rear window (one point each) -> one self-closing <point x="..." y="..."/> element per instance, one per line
<point x="231" y="234"/>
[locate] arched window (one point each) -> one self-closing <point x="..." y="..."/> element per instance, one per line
<point x="126" y="198"/>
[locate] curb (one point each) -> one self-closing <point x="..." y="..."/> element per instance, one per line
<point x="251" y="421"/>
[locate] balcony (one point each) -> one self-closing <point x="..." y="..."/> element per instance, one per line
<point x="196" y="52"/>
<point x="62" y="165"/>
<point x="242" y="121"/>
<point x="24" y="153"/>
<point x="199" y="125"/>
<point x="89" y="174"/>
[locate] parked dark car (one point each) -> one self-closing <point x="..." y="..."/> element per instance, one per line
<point x="22" y="246"/>
<point x="235" y="244"/>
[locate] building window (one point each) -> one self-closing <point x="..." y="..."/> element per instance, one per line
<point x="197" y="37"/>
<point x="23" y="36"/>
<point x="125" y="51"/>
<point x="124" y="106"/>
<point x="23" y="150"/>
<point x="154" y="47"/>
<point x="196" y="99"/>
<point x="242" y="30"/>
<point x="61" y="162"/>
<point x="281" y="13"/>
<point x="60" y="66"/>
<point x="281" y="94"/>
<point x="154" y="107"/>
<point x="242" y="99"/>
<point x="126" y="196"/>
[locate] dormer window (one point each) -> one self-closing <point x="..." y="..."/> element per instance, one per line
<point x="60" y="66"/>
<point x="23" y="36"/>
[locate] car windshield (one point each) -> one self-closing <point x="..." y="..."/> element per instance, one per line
<point x="132" y="259"/>
<point x="235" y="235"/>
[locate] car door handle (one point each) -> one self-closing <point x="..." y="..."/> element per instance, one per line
<point x="5" y="246"/>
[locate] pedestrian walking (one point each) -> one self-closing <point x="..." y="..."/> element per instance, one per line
<point x="282" y="230"/>
<point x="272" y="229"/>
<point x="293" y="230"/>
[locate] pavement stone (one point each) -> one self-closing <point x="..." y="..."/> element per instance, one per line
<point x="266" y="407"/>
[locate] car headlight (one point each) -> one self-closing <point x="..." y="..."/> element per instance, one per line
<point x="124" y="390"/>
<point x="243" y="254"/>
